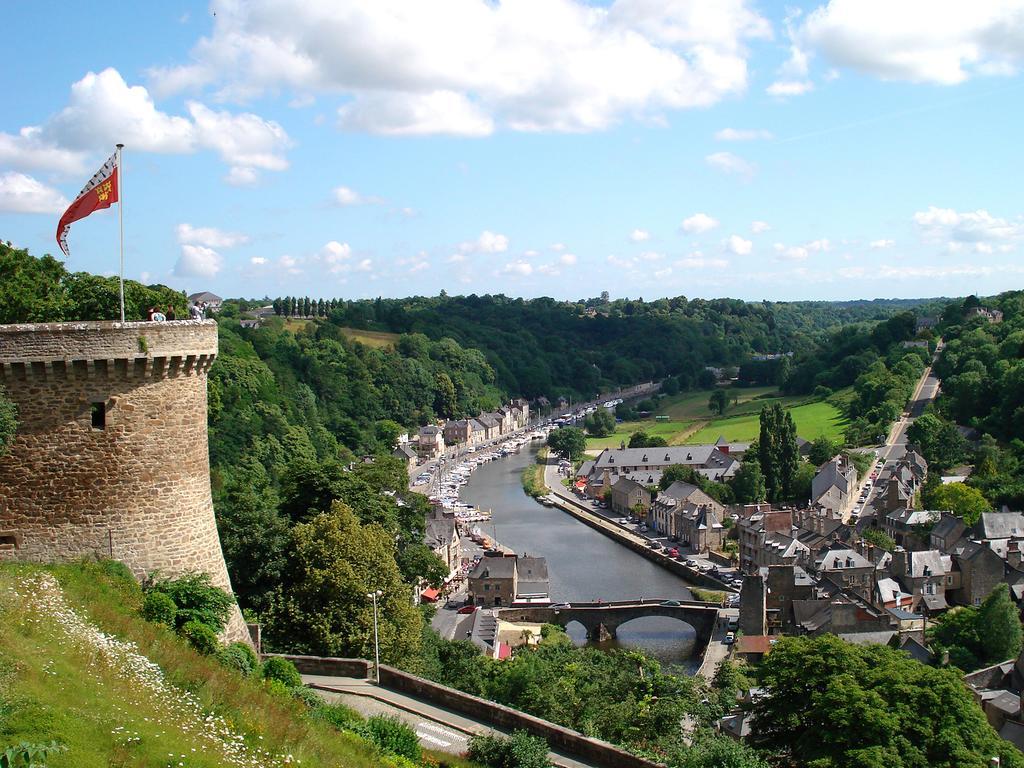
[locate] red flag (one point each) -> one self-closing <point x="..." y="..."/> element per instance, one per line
<point x="100" y="192"/>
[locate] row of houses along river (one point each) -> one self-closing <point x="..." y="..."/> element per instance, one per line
<point x="583" y="565"/>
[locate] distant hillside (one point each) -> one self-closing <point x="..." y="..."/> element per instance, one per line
<point x="77" y="666"/>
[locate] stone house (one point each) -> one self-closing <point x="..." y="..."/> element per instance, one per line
<point x="848" y="569"/>
<point x="908" y="527"/>
<point x="699" y="526"/>
<point x="924" y="575"/>
<point x="521" y="412"/>
<point x="211" y="301"/>
<point x="834" y="487"/>
<point x="946" y="532"/>
<point x="532" y="583"/>
<point x="458" y="432"/>
<point x="998" y="529"/>
<point x="766" y="538"/>
<point x="442" y="536"/>
<point x="977" y="571"/>
<point x="708" y="460"/>
<point x="493" y="582"/>
<point x="406" y="454"/>
<point x="665" y="504"/>
<point x="491" y="426"/>
<point x="431" y="441"/>
<point x="630" y="497"/>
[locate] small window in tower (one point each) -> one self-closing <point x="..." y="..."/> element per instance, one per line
<point x="99" y="415"/>
<point x="8" y="541"/>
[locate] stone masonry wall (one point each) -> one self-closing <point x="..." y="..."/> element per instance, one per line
<point x="137" y="490"/>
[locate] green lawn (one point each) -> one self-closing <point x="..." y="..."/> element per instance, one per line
<point x="812" y="420"/>
<point x="689" y="410"/>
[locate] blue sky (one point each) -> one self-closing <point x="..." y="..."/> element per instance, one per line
<point x="853" y="149"/>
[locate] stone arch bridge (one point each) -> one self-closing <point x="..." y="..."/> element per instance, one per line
<point x="602" y="620"/>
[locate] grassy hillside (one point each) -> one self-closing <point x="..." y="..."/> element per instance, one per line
<point x="371" y="338"/>
<point x="690" y="422"/>
<point x="79" y="667"/>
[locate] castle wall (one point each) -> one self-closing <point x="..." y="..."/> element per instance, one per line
<point x="138" y="488"/>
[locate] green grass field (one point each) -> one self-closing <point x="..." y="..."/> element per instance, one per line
<point x="371" y="338"/>
<point x="812" y="420"/>
<point x="692" y="423"/>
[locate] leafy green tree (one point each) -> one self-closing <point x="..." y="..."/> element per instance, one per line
<point x="8" y="421"/>
<point x="748" y="482"/>
<point x="939" y="441"/>
<point x="684" y="472"/>
<point x="446" y="403"/>
<point x="879" y="538"/>
<point x="962" y="500"/>
<point x="904" y="713"/>
<point x="569" y="442"/>
<point x="416" y="561"/>
<point x="718" y="401"/>
<point x="196" y="598"/>
<point x="778" y="453"/>
<point x="999" y="626"/>
<point x="822" y="449"/>
<point x="600" y="423"/>
<point x="387" y="432"/>
<point x="322" y="607"/>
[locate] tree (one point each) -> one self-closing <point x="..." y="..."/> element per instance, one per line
<point x="789" y="457"/>
<point x="748" y="482"/>
<point x="600" y="423"/>
<point x="569" y="442"/>
<point x="417" y="561"/>
<point x="683" y="472"/>
<point x="879" y="538"/>
<point x="322" y="607"/>
<point x="639" y="439"/>
<point x="387" y="432"/>
<point x="822" y="449"/>
<point x="939" y="441"/>
<point x="8" y="421"/>
<point x="446" y="404"/>
<point x="962" y="500"/>
<point x="718" y="401"/>
<point x="999" y="618"/>
<point x="905" y="713"/>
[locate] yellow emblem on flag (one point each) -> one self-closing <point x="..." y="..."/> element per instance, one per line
<point x="103" y="191"/>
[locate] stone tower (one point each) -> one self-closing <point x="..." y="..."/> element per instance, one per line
<point x="111" y="454"/>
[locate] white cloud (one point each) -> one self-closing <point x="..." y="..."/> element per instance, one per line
<point x="784" y="88"/>
<point x="470" y="66"/>
<point x="198" y="261"/>
<point x="456" y="258"/>
<point x="569" y="259"/>
<point x="346" y="196"/>
<point x="23" y="194"/>
<point x="334" y="255"/>
<point x="878" y="245"/>
<point x="970" y="227"/>
<point x="639" y="235"/>
<point x="727" y="162"/>
<point x="258" y="260"/>
<point x="488" y="242"/>
<point x="403" y="114"/>
<point x="549" y="269"/>
<point x="697" y="260"/>
<point x="557" y="247"/>
<point x="802" y="252"/>
<point x="103" y="110"/>
<point x="742" y="134"/>
<point x="28" y="152"/>
<point x="943" y="42"/>
<point x="739" y="246"/>
<point x="210" y="236"/>
<point x="521" y="268"/>
<point x="757" y="227"/>
<point x="651" y="256"/>
<point x="699" y="223"/>
<point x="242" y="177"/>
<point x="365" y="265"/>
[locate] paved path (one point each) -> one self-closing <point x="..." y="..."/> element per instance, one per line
<point x="438" y="728"/>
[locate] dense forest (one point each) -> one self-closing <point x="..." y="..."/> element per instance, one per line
<point x="547" y="347"/>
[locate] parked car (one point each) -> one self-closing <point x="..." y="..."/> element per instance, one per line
<point x="692" y="563"/>
<point x="671" y="603"/>
<point x="467" y="609"/>
<point x="673" y="552"/>
<point x="730" y="638"/>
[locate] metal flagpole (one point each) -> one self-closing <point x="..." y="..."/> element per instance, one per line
<point x="120" y="217"/>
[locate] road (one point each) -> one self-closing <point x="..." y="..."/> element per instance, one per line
<point x="438" y="728"/>
<point x="895" y="446"/>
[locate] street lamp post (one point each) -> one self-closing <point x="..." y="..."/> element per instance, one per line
<point x="376" y="639"/>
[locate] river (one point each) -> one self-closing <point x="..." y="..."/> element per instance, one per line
<point x="583" y="565"/>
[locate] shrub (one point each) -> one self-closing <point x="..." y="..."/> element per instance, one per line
<point x="117" y="570"/>
<point x="277" y="688"/>
<point x="200" y="637"/>
<point x="392" y="736"/>
<point x="28" y="755"/>
<point x="307" y="696"/>
<point x="239" y="657"/>
<point x="159" y="608"/>
<point x="197" y="600"/>
<point x="282" y="670"/>
<point x="521" y="750"/>
<point x="338" y="715"/>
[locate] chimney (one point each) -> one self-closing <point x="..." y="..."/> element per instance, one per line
<point x="899" y="562"/>
<point x="1013" y="555"/>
